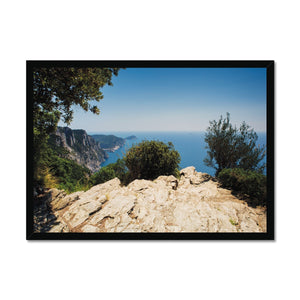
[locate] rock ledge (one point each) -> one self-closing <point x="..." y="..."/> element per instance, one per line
<point x="195" y="203"/>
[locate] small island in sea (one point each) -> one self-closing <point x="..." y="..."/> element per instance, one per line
<point x="131" y="137"/>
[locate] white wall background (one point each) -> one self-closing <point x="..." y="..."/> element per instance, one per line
<point x="195" y="30"/>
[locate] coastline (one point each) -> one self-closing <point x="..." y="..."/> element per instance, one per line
<point x="113" y="149"/>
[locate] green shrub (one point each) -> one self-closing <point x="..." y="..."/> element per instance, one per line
<point x="117" y="169"/>
<point x="105" y="174"/>
<point x="70" y="176"/>
<point x="120" y="169"/>
<point x="150" y="159"/>
<point x="62" y="173"/>
<point x="250" y="183"/>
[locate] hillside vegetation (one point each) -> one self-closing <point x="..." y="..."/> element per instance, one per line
<point x="62" y="173"/>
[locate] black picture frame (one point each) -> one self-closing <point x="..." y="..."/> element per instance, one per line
<point x="269" y="235"/>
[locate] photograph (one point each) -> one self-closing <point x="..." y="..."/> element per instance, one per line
<point x="150" y="150"/>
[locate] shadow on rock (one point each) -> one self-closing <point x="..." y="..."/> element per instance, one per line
<point x="252" y="202"/>
<point x="43" y="216"/>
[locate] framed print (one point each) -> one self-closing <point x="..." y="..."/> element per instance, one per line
<point x="163" y="150"/>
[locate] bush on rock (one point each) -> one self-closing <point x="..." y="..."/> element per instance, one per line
<point x="150" y="159"/>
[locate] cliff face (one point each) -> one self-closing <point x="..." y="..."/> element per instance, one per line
<point x="79" y="146"/>
<point x="195" y="203"/>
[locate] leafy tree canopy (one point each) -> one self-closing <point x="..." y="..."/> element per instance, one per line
<point x="150" y="159"/>
<point x="55" y="90"/>
<point x="231" y="147"/>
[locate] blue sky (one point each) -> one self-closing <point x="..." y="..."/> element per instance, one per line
<point x="177" y="99"/>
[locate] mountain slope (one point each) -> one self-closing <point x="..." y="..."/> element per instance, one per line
<point x="77" y="145"/>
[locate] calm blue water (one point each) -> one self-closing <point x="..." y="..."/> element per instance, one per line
<point x="190" y="145"/>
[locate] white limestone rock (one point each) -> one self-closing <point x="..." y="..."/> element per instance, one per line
<point x="195" y="203"/>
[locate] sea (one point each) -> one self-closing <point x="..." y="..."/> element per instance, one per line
<point x="190" y="145"/>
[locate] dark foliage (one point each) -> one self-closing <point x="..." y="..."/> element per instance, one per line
<point x="150" y="159"/>
<point x="117" y="169"/>
<point x="249" y="183"/>
<point x="231" y="147"/>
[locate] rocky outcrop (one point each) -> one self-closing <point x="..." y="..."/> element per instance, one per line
<point x="77" y="145"/>
<point x="195" y="203"/>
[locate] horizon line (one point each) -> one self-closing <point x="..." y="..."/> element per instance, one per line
<point x="141" y="131"/>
